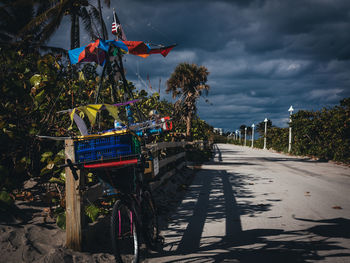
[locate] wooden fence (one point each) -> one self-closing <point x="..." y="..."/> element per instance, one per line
<point x="77" y="194"/>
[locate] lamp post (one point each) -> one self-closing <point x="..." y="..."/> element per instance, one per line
<point x="240" y="137"/>
<point x="290" y="128"/>
<point x="245" y="136"/>
<point x="237" y="135"/>
<point x="253" y="135"/>
<point x="265" y="133"/>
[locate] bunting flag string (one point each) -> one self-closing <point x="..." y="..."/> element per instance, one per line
<point x="91" y="111"/>
<point x="95" y="51"/>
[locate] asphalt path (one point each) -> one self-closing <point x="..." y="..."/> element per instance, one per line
<point x="252" y="205"/>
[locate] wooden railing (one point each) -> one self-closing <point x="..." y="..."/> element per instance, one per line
<point x="77" y="193"/>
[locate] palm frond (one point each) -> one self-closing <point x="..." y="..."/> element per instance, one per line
<point x="96" y="17"/>
<point x="108" y="3"/>
<point x="48" y="30"/>
<point x="43" y="6"/>
<point x="56" y="50"/>
<point x="45" y="16"/>
<point x="87" y="21"/>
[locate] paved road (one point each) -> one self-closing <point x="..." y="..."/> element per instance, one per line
<point x="250" y="205"/>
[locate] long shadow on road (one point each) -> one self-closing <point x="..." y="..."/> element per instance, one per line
<point x="236" y="245"/>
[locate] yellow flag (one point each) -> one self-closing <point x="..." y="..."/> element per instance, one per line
<point x="91" y="111"/>
<point x="71" y="117"/>
<point x="113" y="111"/>
<point x="81" y="76"/>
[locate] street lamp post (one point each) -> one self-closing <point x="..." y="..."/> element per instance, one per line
<point x="253" y="135"/>
<point x="240" y="137"/>
<point x="245" y="136"/>
<point x="265" y="133"/>
<point x="290" y="128"/>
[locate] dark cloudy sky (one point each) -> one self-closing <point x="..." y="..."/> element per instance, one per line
<point x="263" y="55"/>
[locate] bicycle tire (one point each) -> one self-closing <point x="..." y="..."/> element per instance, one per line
<point x="150" y="220"/>
<point x="124" y="234"/>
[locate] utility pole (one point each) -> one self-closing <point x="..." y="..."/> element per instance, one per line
<point x="245" y="136"/>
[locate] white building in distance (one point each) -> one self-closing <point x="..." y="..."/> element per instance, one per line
<point x="218" y="130"/>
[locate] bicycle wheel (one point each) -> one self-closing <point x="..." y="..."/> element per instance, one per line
<point x="124" y="234"/>
<point x="150" y="220"/>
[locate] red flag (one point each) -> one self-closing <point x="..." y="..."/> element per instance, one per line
<point x="137" y="48"/>
<point x="162" y="50"/>
<point x="142" y="49"/>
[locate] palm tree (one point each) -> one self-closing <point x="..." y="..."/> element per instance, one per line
<point x="188" y="82"/>
<point x="49" y="15"/>
<point x="13" y="18"/>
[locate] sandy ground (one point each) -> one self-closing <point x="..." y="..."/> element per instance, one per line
<point x="28" y="234"/>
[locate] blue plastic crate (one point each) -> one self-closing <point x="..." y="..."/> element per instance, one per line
<point x="110" y="153"/>
<point x="104" y="148"/>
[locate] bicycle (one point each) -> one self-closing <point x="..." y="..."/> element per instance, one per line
<point x="133" y="214"/>
<point x="117" y="160"/>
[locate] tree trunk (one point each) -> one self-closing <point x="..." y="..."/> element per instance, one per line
<point x="103" y="28"/>
<point x="74" y="33"/>
<point x="188" y="126"/>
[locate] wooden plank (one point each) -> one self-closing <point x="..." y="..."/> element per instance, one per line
<point x="162" y="145"/>
<point x="74" y="218"/>
<point x="166" y="176"/>
<point x="95" y="192"/>
<point x="173" y="158"/>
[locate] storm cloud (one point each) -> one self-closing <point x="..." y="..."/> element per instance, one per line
<point x="263" y="56"/>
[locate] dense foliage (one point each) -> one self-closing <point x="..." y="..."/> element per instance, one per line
<point x="323" y="134"/>
<point x="34" y="88"/>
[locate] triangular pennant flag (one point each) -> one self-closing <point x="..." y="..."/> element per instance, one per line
<point x="71" y="118"/>
<point x="91" y="111"/>
<point x="113" y="111"/>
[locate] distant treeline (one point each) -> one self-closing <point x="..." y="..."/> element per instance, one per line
<point x="324" y="134"/>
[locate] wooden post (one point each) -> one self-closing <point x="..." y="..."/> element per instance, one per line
<point x="74" y="212"/>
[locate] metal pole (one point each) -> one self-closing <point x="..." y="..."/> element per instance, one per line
<point x="245" y="136"/>
<point x="290" y="128"/>
<point x="290" y="138"/>
<point x="265" y="133"/>
<point x="253" y="135"/>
